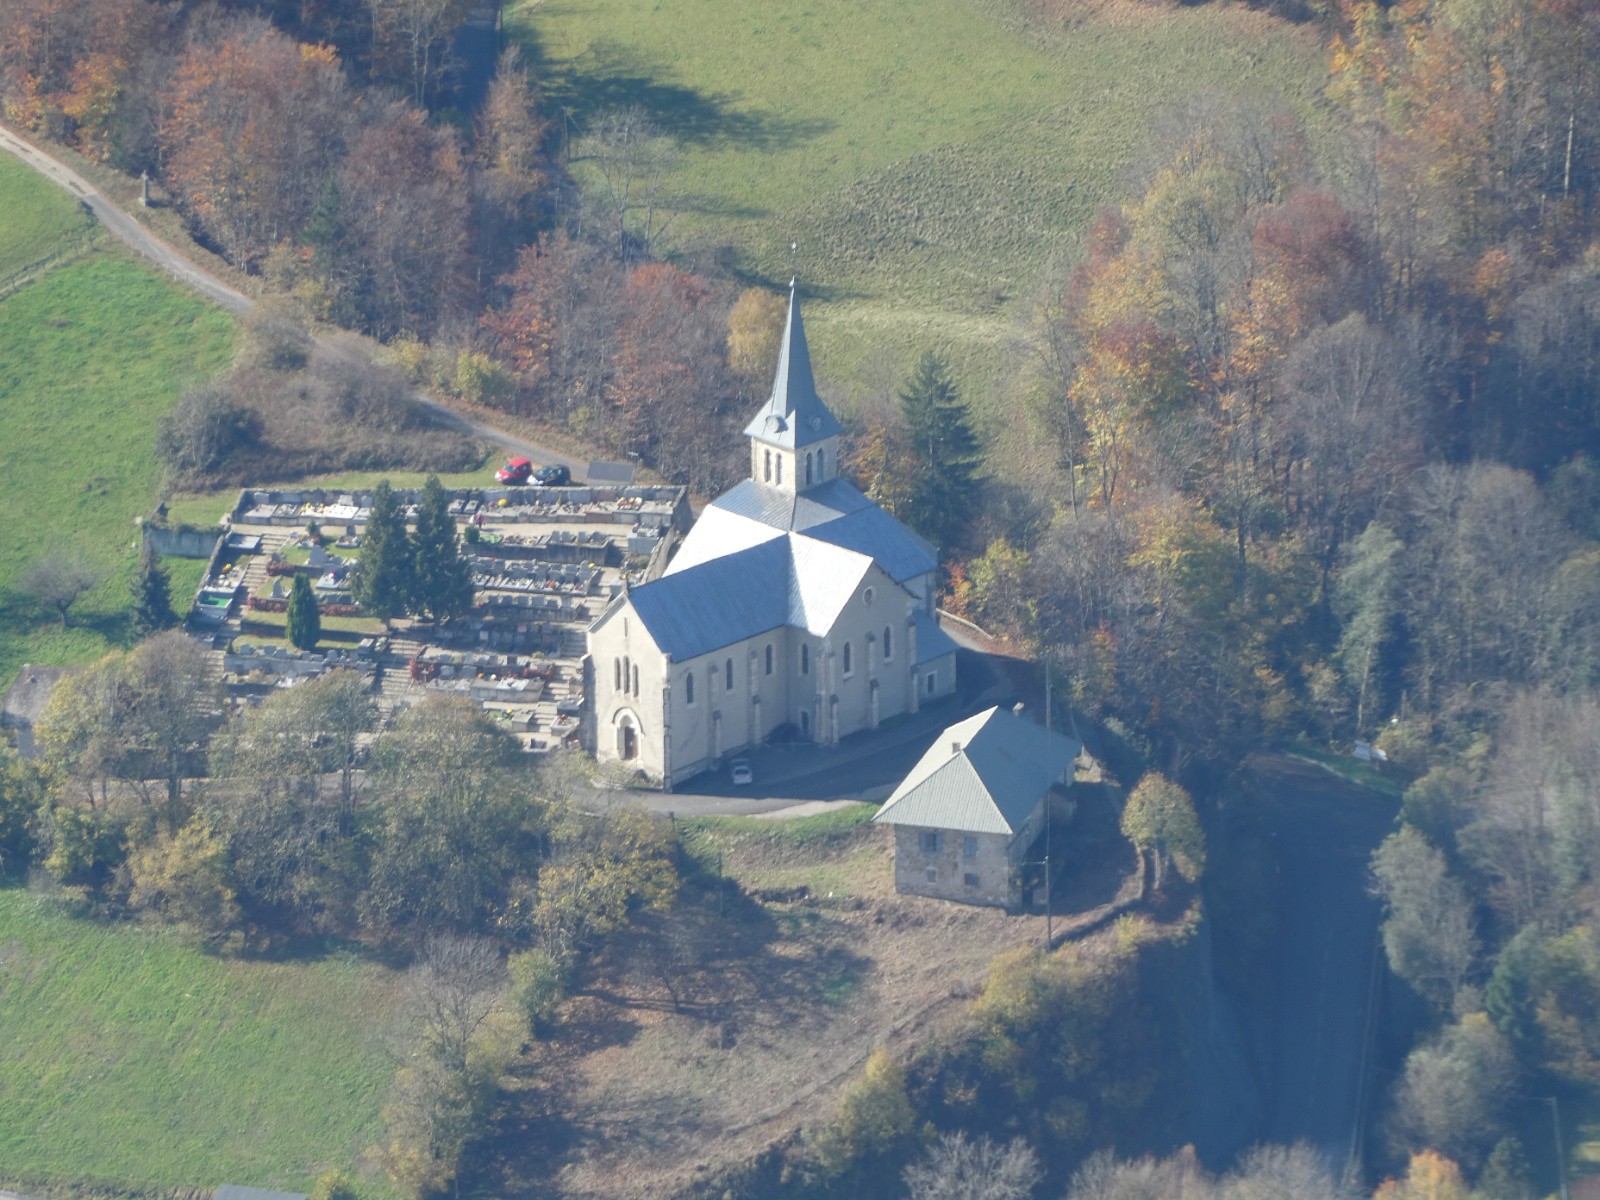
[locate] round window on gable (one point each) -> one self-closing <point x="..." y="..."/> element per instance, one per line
<point x="866" y="596"/>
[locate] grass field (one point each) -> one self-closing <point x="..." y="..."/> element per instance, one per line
<point x="42" y="223"/>
<point x="929" y="157"/>
<point x="127" y="1056"/>
<point x="833" y="853"/>
<point x="92" y="352"/>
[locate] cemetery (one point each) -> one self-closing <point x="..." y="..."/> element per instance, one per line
<point x="544" y="563"/>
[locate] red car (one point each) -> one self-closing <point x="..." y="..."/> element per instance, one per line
<point x="516" y="471"/>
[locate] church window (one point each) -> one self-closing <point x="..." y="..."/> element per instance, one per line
<point x="805" y="659"/>
<point x="688" y="688"/>
<point x="769" y="658"/>
<point x="933" y="681"/>
<point x="625" y="674"/>
<point x="616" y="674"/>
<point x="808" y="468"/>
<point x="821" y="472"/>
<point x="780" y="470"/>
<point x="766" y="466"/>
<point x="727" y="674"/>
<point x="848" y="665"/>
<point x="888" y="644"/>
<point x="636" y="681"/>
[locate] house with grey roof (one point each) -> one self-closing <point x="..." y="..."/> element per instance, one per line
<point x="973" y="808"/>
<point x="794" y="601"/>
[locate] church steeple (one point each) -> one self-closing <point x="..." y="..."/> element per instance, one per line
<point x="793" y="437"/>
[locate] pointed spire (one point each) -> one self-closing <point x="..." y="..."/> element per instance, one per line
<point x="794" y="415"/>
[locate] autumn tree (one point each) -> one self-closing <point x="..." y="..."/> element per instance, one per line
<point x="1159" y="819"/>
<point x="411" y="44"/>
<point x="255" y="125"/>
<point x="403" y="209"/>
<point x="510" y="174"/>
<point x="1429" y="1176"/>
<point x="670" y="385"/>
<point x="183" y="879"/>
<point x="873" y="1119"/>
<point x="458" y="825"/>
<point x="755" y="331"/>
<point x="290" y="830"/>
<point x="1452" y="1095"/>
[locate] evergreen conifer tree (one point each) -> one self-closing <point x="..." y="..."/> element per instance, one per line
<point x="152" y="598"/>
<point x="939" y="433"/>
<point x="382" y="581"/>
<point x="441" y="579"/>
<point x="305" y="622"/>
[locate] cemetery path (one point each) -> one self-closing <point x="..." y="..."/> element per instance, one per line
<point x="170" y="260"/>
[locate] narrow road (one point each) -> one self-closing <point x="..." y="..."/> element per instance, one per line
<point x="1315" y="1028"/>
<point x="169" y="259"/>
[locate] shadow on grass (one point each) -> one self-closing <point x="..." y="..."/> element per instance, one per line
<point x="610" y="76"/>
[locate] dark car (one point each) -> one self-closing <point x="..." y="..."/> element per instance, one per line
<point x="553" y="476"/>
<point x="515" y="471"/>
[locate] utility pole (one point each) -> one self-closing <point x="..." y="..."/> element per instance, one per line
<point x="1561" y="1153"/>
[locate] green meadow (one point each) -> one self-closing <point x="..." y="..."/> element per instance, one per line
<point x="92" y="352"/>
<point x="928" y="157"/>
<point x="128" y="1056"/>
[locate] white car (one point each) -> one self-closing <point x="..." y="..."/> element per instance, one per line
<point x="739" y="771"/>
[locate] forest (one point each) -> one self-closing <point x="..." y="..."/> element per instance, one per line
<point x="1299" y="445"/>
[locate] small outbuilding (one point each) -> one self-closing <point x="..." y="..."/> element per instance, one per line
<point x="971" y="810"/>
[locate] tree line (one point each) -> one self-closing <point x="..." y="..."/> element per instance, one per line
<point x="306" y="817"/>
<point x="318" y="148"/>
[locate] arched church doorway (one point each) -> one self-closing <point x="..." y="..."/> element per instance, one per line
<point x="627" y="740"/>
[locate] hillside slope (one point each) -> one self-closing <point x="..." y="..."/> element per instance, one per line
<point x="929" y="157"/>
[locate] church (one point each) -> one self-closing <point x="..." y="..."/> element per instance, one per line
<point x="793" y="602"/>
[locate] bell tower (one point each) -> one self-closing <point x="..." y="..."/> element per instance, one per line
<point x="794" y="439"/>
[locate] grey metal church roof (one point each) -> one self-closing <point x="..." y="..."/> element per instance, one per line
<point x="982" y="775"/>
<point x="794" y="415"/>
<point x="786" y="580"/>
<point x="835" y="512"/>
<point x="932" y="642"/>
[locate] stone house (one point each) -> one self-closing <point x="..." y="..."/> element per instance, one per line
<point x="969" y="813"/>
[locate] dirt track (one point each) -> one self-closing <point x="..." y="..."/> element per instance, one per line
<point x="170" y="260"/>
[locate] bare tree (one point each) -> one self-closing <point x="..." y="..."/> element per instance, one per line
<point x="57" y="581"/>
<point x="1104" y="1177"/>
<point x="634" y="158"/>
<point x="452" y="990"/>
<point x="1283" y="1173"/>
<point x="1453" y="1091"/>
<point x="958" y="1168"/>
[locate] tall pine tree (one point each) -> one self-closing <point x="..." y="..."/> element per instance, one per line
<point x="305" y="622"/>
<point x="152" y="598"/>
<point x="944" y="487"/>
<point x="382" y="583"/>
<point x="441" y="579"/>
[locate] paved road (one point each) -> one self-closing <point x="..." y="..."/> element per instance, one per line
<point x="169" y="259"/>
<point x="1315" y="1029"/>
